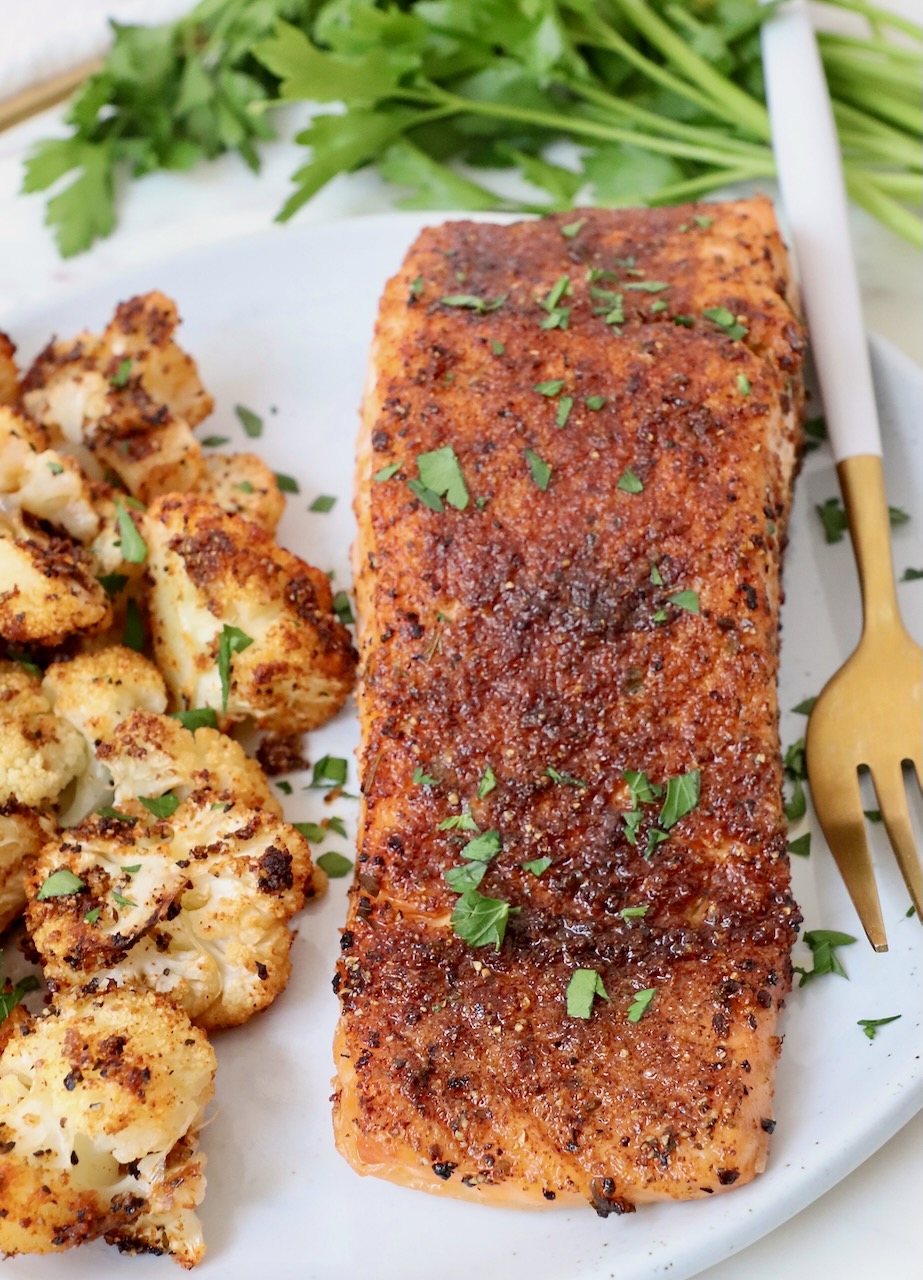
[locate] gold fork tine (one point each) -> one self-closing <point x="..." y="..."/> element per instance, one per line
<point x="892" y="800"/>
<point x="843" y="824"/>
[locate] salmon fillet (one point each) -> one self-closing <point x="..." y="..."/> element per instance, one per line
<point x="599" y="617"/>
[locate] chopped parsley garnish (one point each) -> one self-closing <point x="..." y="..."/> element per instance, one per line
<point x="687" y="322"/>
<point x="487" y="783"/>
<point x="469" y="876"/>
<point x="541" y="472"/>
<point x="658" y="306"/>
<point x="9" y="999"/>
<point x="537" y="866"/>
<point x="642" y="790"/>
<point x="323" y="503"/>
<point x="805" y="707"/>
<point x="21" y="660"/>
<point x="338" y="825"/>
<point x="498" y="348"/>
<point x="285" y="787"/>
<point x="833" y="518"/>
<point x="55" y="468"/>
<point x="480" y="921"/>
<point x="558" y="317"/>
<point x="197" y="718"/>
<point x="703" y="220"/>
<point x="416" y="286"/>
<point x="687" y="600"/>
<point x="251" y="422"/>
<point x="633" y="913"/>
<point x="911" y="575"/>
<point x="483" y="847"/>
<point x="246" y="487"/>
<point x="655" y="576"/>
<point x="647" y="286"/>
<point x="441" y="474"/>
<point x="215" y="442"/>
<point x="726" y="321"/>
<point x="130" y="871"/>
<point x="122" y="373"/>
<point x="387" y="472"/>
<point x="595" y="403"/>
<point x="681" y="798"/>
<point x="565" y="779"/>
<point x="426" y="496"/>
<point x="287" y="484"/>
<point x="743" y="384"/>
<point x="823" y="944"/>
<point x="330" y="771"/>
<point x="343" y="609"/>
<point x="92" y="915"/>
<point x="459" y="822"/>
<point x="565" y="404"/>
<point x="231" y="641"/>
<point x="116" y="815"/>
<point x="897" y="515"/>
<point x="873" y="815"/>
<point x="641" y="1003"/>
<point x="632" y="820"/>
<point x="870" y="1025"/>
<point x="551" y="388"/>
<point x="471" y="302"/>
<point x="570" y="229"/>
<point x="654" y="837"/>
<point x="160" y="806"/>
<point x="335" y="864"/>
<point x="630" y="482"/>
<point x="312" y="831"/>
<point x="60" y="884"/>
<point x="794" y="760"/>
<point x="584" y="986"/>
<point x="423" y="779"/>
<point x="796" y="806"/>
<point x="133" y="546"/>
<point x="815" y="430"/>
<point x="802" y="846"/>
<point x="121" y="901"/>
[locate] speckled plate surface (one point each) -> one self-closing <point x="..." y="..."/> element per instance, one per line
<point x="281" y="322"/>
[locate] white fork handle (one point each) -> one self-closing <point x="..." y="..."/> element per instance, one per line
<point x="807" y="153"/>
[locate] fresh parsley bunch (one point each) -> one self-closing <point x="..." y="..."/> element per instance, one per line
<point x="664" y="101"/>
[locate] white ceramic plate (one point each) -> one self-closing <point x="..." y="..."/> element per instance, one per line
<point x="281" y="323"/>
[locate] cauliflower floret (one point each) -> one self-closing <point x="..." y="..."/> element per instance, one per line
<point x="9" y="374"/>
<point x="39" y="753"/>
<point x="148" y="448"/>
<point x="101" y="1099"/>
<point x="196" y="907"/>
<point x="65" y="389"/>
<point x="290" y="663"/>
<point x="94" y="692"/>
<point x="42" y="482"/>
<point x="149" y="755"/>
<point x="23" y="831"/>
<point x="242" y="484"/>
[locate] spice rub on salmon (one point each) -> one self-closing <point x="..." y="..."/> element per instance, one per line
<point x="569" y="936"/>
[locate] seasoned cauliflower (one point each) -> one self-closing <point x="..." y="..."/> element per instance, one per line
<point x="195" y="907"/>
<point x="39" y="753"/>
<point x="242" y="484"/>
<point x="149" y="755"/>
<point x="23" y="831"/>
<point x="94" y="692"/>
<point x="285" y="659"/>
<point x="9" y="374"/>
<point x="42" y="483"/>
<point x="147" y="447"/>
<point x="101" y="1099"/>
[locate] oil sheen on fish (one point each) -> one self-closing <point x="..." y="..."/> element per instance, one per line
<point x="585" y="607"/>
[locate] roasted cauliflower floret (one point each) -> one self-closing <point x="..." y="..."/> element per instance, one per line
<point x="195" y="907"/>
<point x="9" y="374"/>
<point x="23" y="831"/>
<point x="285" y="660"/>
<point x="242" y="484"/>
<point x="94" y="692"/>
<point x="150" y="449"/>
<point x="39" y="753"/>
<point x="101" y="1099"/>
<point x="41" y="482"/>
<point x="65" y="389"/>
<point x="149" y="755"/>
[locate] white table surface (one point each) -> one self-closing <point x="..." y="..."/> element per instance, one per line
<point x="869" y="1223"/>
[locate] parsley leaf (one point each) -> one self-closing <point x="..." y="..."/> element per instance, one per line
<point x="911" y="575"/>
<point x="471" y="302"/>
<point x="873" y="815"/>
<point x="287" y="484"/>
<point x="571" y="229"/>
<point x="805" y="706"/>
<point x="687" y="600"/>
<point x="197" y="718"/>
<point x="595" y="403"/>
<point x="823" y="944"/>
<point x="312" y="831"/>
<point x="565" y="779"/>
<point x="802" y="846"/>
<point x="480" y="921"/>
<point x="459" y="822"/>
<point x="870" y="1025"/>
<point x="13" y="994"/>
<point x="743" y="384"/>
<point x="833" y="518"/>
<point x="343" y="609"/>
<point x="161" y="806"/>
<point x="466" y="877"/>
<point x="426" y="496"/>
<point x="584" y="986"/>
<point x="537" y="866"/>
<point x="423" y="779"/>
<point x="122" y="373"/>
<point x="726" y="321"/>
<point x="681" y="798"/>
<point x="483" y="847"/>
<point x="629" y="482"/>
<point x="133" y="546"/>
<point x="541" y="472"/>
<point x="323" y="503"/>
<point x="632" y="913"/>
<point x="551" y="388"/>
<point x="797" y="806"/>
<point x="60" y="884"/>
<point x="641" y="1003"/>
<point x="642" y="790"/>
<point x="330" y="771"/>
<point x="251" y="422"/>
<point x="231" y="641"/>
<point x="387" y="472"/>
<point x="112" y="583"/>
<point x="648" y="286"/>
<point x="487" y="783"/>
<point x="335" y="864"/>
<point x="215" y="442"/>
<point x="565" y="404"/>
<point x="441" y="473"/>
<point x="121" y="901"/>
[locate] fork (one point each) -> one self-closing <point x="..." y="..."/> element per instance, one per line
<point x="870" y="713"/>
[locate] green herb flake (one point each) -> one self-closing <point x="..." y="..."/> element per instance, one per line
<point x="632" y="821"/>
<point x="634" y="913"/>
<point x="9" y="999"/>
<point x="464" y="878"/>
<point x="197" y="718"/>
<point x="21" y="660"/>
<point x="323" y="503"/>
<point x="641" y="1003"/>
<point x="681" y="798"/>
<point x="538" y="866"/>
<point x="459" y="822"/>
<point x="898" y="516"/>
<point x="335" y="864"/>
<point x="655" y="576"/>
<point x="245" y="486"/>
<point x="565" y="779"/>
<point x="343" y="609"/>
<point x="425" y="495"/>
<point x="231" y="641"/>
<point x="565" y="404"/>
<point x="483" y="847"/>
<point x="285" y="787"/>
<point x="133" y="546"/>
<point x="823" y="944"/>
<point x="584" y="986"/>
<point x="805" y="706"/>
<point x="416" y="286"/>
<point x="312" y="831"/>
<point x="92" y="915"/>
<point x="833" y="518"/>
<point x="480" y="921"/>
<point x="703" y="220"/>
<point x="743" y="384"/>
<point x="654" y="837"/>
<point x="330" y="771"/>
<point x="54" y="467"/>
<point x="551" y="388"/>
<point x="60" y="884"/>
<point x="161" y="806"/>
<point x="121" y="901"/>
<point x="423" y="779"/>
<point x="796" y="806"/>
<point x="387" y="472"/>
<point x="872" y="815"/>
<point x="122" y="373"/>
<point x="658" y="306"/>
<point x="215" y="442"/>
<point x="870" y="1025"/>
<point x="441" y="474"/>
<point x="132" y="870"/>
<point x="911" y="575"/>
<point x="595" y="403"/>
<point x="116" y="815"/>
<point x="498" y="348"/>
<point x="487" y="783"/>
<point x="470" y="302"/>
<point x="630" y="482"/>
<point x="794" y="760"/>
<point x="337" y="825"/>
<point x="287" y="484"/>
<point x="802" y="846"/>
<point x="815" y="431"/>
<point x="251" y="422"/>
<point x="571" y="229"/>
<point x="687" y="600"/>
<point x="726" y="321"/>
<point x="686" y="322"/>
<point x="647" y="286"/>
<point x="642" y="790"/>
<point x="540" y="470"/>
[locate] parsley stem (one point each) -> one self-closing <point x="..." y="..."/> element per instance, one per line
<point x="832" y="40"/>
<point x="880" y="17"/>
<point x="861" y="186"/>
<point x="691" y="187"/>
<point x="904" y="114"/>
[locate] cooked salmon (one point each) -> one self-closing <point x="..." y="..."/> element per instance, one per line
<point x="575" y="468"/>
